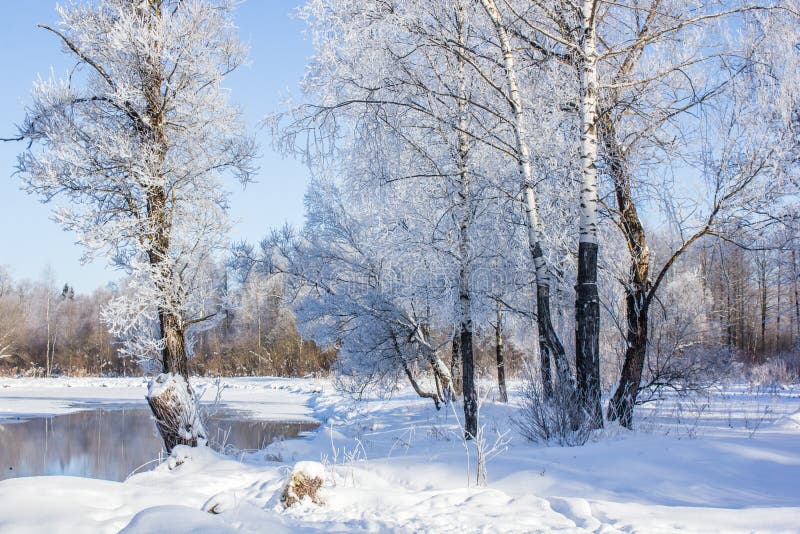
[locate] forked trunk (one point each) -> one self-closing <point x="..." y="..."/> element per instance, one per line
<point x="637" y="301"/>
<point x="622" y="404"/>
<point x="437" y="366"/>
<point x="435" y="397"/>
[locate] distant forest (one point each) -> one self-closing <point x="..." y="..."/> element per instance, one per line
<point x="742" y="304"/>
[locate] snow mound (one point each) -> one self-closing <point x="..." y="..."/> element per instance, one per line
<point x="310" y="469"/>
<point x="789" y="422"/>
<point x="175" y="519"/>
<point x="199" y="456"/>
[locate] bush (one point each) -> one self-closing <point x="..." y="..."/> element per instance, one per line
<point x="782" y="369"/>
<point x="553" y="420"/>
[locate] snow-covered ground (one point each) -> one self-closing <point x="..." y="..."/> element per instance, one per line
<point x="729" y="462"/>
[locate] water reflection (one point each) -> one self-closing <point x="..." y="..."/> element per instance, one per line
<point x="111" y="443"/>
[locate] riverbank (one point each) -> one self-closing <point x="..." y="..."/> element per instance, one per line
<point x="728" y="462"/>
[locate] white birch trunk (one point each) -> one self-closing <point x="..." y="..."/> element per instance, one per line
<point x="465" y="248"/>
<point x="548" y="340"/>
<point x="587" y="305"/>
<point x="588" y="94"/>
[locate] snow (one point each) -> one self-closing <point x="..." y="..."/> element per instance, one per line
<point x="272" y="399"/>
<point x="310" y="469"/>
<point x="725" y="463"/>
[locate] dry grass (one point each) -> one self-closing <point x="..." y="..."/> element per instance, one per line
<point x="301" y="485"/>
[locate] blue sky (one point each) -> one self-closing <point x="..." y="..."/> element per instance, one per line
<point x="30" y="240"/>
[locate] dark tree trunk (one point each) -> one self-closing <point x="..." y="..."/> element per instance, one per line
<point x="587" y="333"/>
<point x="468" y="382"/>
<point x="547" y="373"/>
<point x="455" y="364"/>
<point x="501" y="370"/>
<point x="638" y="296"/>
<point x="549" y="344"/>
<point x="622" y="403"/>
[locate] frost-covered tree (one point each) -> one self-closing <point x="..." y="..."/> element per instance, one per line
<point x="390" y="77"/>
<point x="633" y="72"/>
<point x="133" y="146"/>
<point x="522" y="100"/>
<point x="348" y="279"/>
<point x="434" y="74"/>
<point x="682" y="71"/>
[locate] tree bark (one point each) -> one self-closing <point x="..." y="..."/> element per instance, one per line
<point x="622" y="403"/>
<point x="587" y="333"/>
<point x="174" y="357"/>
<point x="587" y="302"/>
<point x="455" y="364"/>
<point x="464" y="290"/>
<point x="470" y="394"/>
<point x="175" y="411"/>
<point x="501" y="370"/>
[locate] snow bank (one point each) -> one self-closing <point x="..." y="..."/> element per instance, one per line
<point x="789" y="422"/>
<point x="168" y="519"/>
<point x="397" y="465"/>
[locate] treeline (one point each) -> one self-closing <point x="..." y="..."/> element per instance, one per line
<point x="755" y="298"/>
<point x="734" y="304"/>
<point x="49" y="330"/>
<point x="727" y="311"/>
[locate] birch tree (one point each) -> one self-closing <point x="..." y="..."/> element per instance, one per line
<point x="549" y="343"/>
<point x="133" y="147"/>
<point x="630" y="62"/>
<point x="405" y="79"/>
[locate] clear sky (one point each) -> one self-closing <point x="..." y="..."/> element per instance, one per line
<point x="30" y="240"/>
